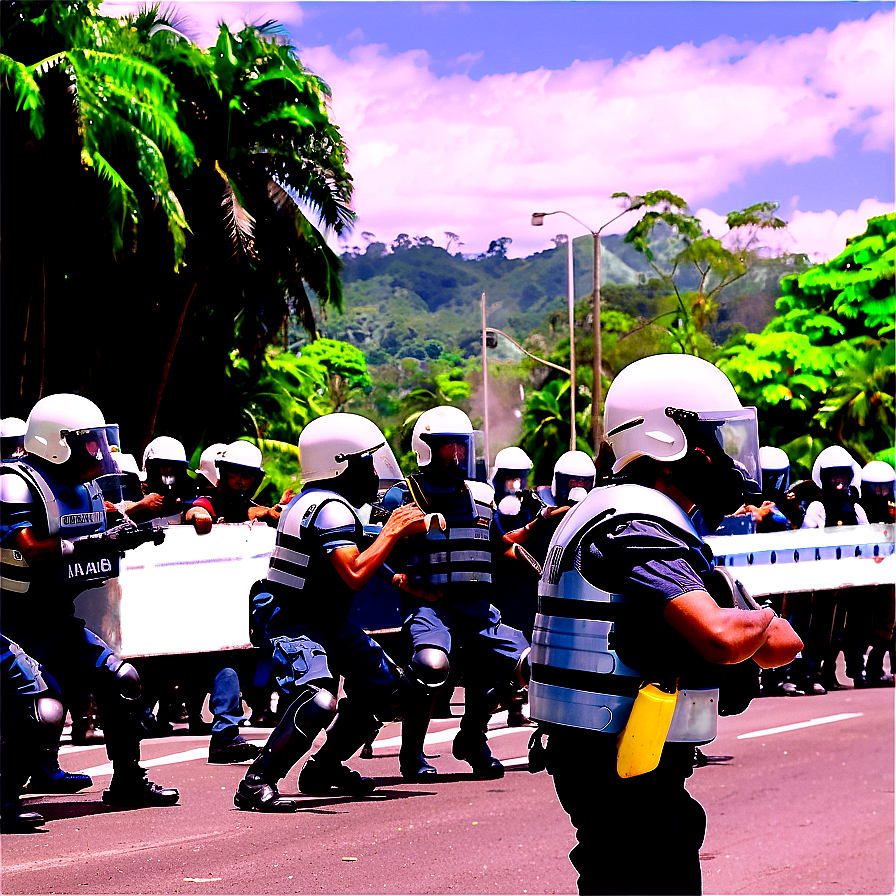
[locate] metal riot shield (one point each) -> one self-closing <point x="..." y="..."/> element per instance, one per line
<point x="187" y="595"/>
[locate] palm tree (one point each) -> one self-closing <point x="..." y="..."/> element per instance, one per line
<point x="96" y="126"/>
<point x="270" y="159"/>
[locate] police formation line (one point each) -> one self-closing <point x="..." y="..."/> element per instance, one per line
<point x="603" y="602"/>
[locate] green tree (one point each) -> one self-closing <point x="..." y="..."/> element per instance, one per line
<point x="546" y="427"/>
<point x="345" y="369"/>
<point x="253" y="165"/>
<point x="697" y="266"/>
<point x="823" y="371"/>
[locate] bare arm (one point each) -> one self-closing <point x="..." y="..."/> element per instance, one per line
<point x="781" y="646"/>
<point x="200" y="518"/>
<point x="718" y="634"/>
<point x="356" y="568"/>
<point x="37" y="550"/>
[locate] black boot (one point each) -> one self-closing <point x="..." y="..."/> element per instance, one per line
<point x="471" y="745"/>
<point x="131" y="789"/>
<point x="308" y="715"/>
<point x="257" y="795"/>
<point x="411" y="758"/>
<point x="321" y="778"/>
<point x="52" y="779"/>
<point x="324" y="772"/>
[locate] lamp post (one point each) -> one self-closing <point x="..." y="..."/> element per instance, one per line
<point x="596" y="388"/>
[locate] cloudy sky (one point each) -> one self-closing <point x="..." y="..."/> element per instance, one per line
<point x="467" y="117"/>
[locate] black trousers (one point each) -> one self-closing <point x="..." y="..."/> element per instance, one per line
<point x="638" y="835"/>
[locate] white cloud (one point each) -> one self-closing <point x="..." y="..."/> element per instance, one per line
<point x="431" y="154"/>
<point x="819" y="235"/>
<point x="476" y="157"/>
<point x="823" y="235"/>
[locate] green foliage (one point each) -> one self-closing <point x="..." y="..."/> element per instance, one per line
<point x="823" y="371"/>
<point x="715" y="265"/>
<point x="344" y="367"/>
<point x="546" y="427"/>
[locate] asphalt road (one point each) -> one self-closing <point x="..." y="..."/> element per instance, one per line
<point x="808" y="809"/>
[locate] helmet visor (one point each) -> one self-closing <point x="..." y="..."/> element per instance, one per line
<point x="737" y="433"/>
<point x="92" y="451"/>
<point x="453" y="452"/>
<point x="775" y="481"/>
<point x="877" y="489"/>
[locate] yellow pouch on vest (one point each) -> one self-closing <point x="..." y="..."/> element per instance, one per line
<point x="640" y="744"/>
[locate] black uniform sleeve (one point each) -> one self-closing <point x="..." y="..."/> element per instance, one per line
<point x="647" y="561"/>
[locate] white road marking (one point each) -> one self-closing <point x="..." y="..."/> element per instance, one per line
<point x="185" y="756"/>
<point x="797" y="725"/>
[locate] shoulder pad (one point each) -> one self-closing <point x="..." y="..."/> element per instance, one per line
<point x="482" y="492"/>
<point x="615" y="501"/>
<point x="330" y="511"/>
<point x="14" y="489"/>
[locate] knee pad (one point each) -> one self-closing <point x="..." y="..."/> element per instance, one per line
<point x="127" y="680"/>
<point x="312" y="711"/>
<point x="430" y="667"/>
<point x="48" y="712"/>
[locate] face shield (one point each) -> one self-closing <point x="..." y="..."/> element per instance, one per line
<point x="387" y="470"/>
<point x="92" y="452"/>
<point x="729" y="440"/>
<point x="167" y="477"/>
<point x="775" y="482"/>
<point x="836" y="479"/>
<point x="572" y="487"/>
<point x="453" y="454"/>
<point x="510" y="482"/>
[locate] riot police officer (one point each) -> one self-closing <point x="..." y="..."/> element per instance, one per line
<point x="448" y="576"/>
<point x="877" y="492"/>
<point x="625" y="600"/>
<point x="838" y="476"/>
<point x="878" y="480"/>
<point x="56" y="545"/>
<point x="516" y="503"/>
<point x="574" y="475"/>
<point x="12" y="437"/>
<point x="775" y="482"/>
<point x="169" y="489"/>
<point x="318" y="564"/>
<point x="31" y="717"/>
<point x="240" y="472"/>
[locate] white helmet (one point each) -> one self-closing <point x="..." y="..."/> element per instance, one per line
<point x="126" y="463"/>
<point x="12" y="436"/>
<point x="444" y="424"/>
<point x="775" y="466"/>
<point x="386" y="466"/>
<point x="327" y="443"/>
<point x="572" y="466"/>
<point x="834" y="457"/>
<point x="515" y="464"/>
<point x="511" y="458"/>
<point x="243" y="455"/>
<point x="878" y="471"/>
<point x="67" y="427"/>
<point x="164" y="448"/>
<point x="878" y="486"/>
<point x="207" y="467"/>
<point x="645" y="399"/>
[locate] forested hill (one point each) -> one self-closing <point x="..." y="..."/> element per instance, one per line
<point x="415" y="299"/>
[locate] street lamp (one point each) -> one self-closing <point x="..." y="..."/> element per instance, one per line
<point x="596" y="424"/>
